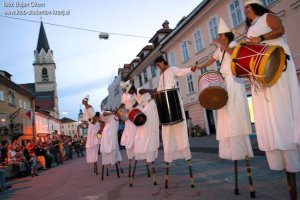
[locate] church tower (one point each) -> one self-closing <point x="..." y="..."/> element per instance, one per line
<point x="44" y="74"/>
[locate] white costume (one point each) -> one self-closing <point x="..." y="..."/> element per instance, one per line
<point x="175" y="137"/>
<point x="233" y="123"/>
<point x="92" y="143"/>
<point x="129" y="132"/>
<point x="109" y="141"/>
<point x="146" y="141"/>
<point x="277" y="110"/>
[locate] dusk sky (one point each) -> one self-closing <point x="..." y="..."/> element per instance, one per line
<point x="84" y="63"/>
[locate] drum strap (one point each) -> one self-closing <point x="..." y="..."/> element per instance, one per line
<point x="287" y="57"/>
<point x="222" y="58"/>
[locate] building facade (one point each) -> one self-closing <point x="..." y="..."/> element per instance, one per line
<point x="46" y="124"/>
<point x="68" y="127"/>
<point x="15" y="105"/>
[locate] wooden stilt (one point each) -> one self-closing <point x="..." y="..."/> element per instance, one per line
<point x="107" y="171"/>
<point x="148" y="171"/>
<point x="96" y="168"/>
<point x="291" y="179"/>
<point x="129" y="168"/>
<point x="117" y="169"/>
<point x="191" y="174"/>
<point x="236" y="189"/>
<point x="102" y="177"/>
<point x="166" y="175"/>
<point x="121" y="169"/>
<point x="249" y="174"/>
<point x="154" y="174"/>
<point x="132" y="177"/>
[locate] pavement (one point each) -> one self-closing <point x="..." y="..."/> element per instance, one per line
<point x="214" y="179"/>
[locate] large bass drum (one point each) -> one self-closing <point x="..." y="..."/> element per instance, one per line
<point x="168" y="106"/>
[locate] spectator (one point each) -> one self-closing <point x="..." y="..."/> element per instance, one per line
<point x="34" y="162"/>
<point x="4" y="151"/>
<point x="56" y="151"/>
<point x="12" y="159"/>
<point x="40" y="153"/>
<point x="3" y="184"/>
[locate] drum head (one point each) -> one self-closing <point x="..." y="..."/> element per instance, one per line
<point x="271" y="66"/>
<point x="213" y="98"/>
<point x="140" y="119"/>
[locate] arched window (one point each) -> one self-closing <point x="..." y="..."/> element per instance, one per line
<point x="45" y="75"/>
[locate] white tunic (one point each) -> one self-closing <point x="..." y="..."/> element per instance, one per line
<point x="233" y="122"/>
<point x="277" y="108"/>
<point x="129" y="132"/>
<point x="92" y="143"/>
<point x="109" y="141"/>
<point x="146" y="141"/>
<point x="175" y="137"/>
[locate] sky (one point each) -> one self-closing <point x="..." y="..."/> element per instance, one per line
<point x="84" y="63"/>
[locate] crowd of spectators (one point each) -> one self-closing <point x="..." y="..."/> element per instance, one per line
<point x="47" y="152"/>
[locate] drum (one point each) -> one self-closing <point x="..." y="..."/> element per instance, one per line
<point x="212" y="90"/>
<point x="137" y="117"/>
<point x="264" y="62"/>
<point x="168" y="107"/>
<point x="122" y="113"/>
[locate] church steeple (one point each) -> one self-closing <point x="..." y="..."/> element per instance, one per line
<point x="42" y="40"/>
<point x="43" y="54"/>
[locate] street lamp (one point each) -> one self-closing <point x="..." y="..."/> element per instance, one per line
<point x="103" y="35"/>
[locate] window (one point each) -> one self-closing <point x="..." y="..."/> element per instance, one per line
<point x="45" y="75"/>
<point x="172" y="58"/>
<point x="11" y="98"/>
<point x="145" y="75"/>
<point x="1" y="95"/>
<point x="153" y="71"/>
<point x="213" y="28"/>
<point x="190" y="83"/>
<point x="268" y="2"/>
<point x="25" y="104"/>
<point x="2" y="119"/>
<point x="198" y="41"/>
<point x="140" y="80"/>
<point x="177" y="85"/>
<point x="236" y="13"/>
<point x="184" y="51"/>
<point x="20" y="103"/>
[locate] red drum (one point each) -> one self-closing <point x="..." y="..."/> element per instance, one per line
<point x="137" y="117"/>
<point x="122" y="113"/>
<point x="264" y="62"/>
<point x="212" y="90"/>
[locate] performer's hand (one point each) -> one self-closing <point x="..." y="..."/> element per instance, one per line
<point x="255" y="40"/>
<point x="193" y="69"/>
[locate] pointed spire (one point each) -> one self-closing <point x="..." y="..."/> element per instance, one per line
<point x="42" y="40"/>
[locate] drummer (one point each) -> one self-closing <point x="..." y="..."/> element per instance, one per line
<point x="128" y="101"/>
<point x="276" y="108"/>
<point x="233" y="127"/>
<point x="175" y="137"/>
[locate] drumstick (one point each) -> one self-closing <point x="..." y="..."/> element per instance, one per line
<point x="240" y="34"/>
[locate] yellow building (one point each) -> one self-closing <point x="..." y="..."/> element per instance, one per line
<point x="15" y="102"/>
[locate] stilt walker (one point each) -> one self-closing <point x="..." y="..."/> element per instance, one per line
<point x="109" y="147"/>
<point x="174" y="135"/>
<point x="146" y="142"/>
<point x="233" y="127"/>
<point x="277" y="124"/>
<point x="92" y="118"/>
<point x="128" y="101"/>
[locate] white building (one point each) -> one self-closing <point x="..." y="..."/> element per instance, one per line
<point x="46" y="124"/>
<point x="68" y="127"/>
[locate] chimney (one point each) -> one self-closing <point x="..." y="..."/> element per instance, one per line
<point x="165" y="25"/>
